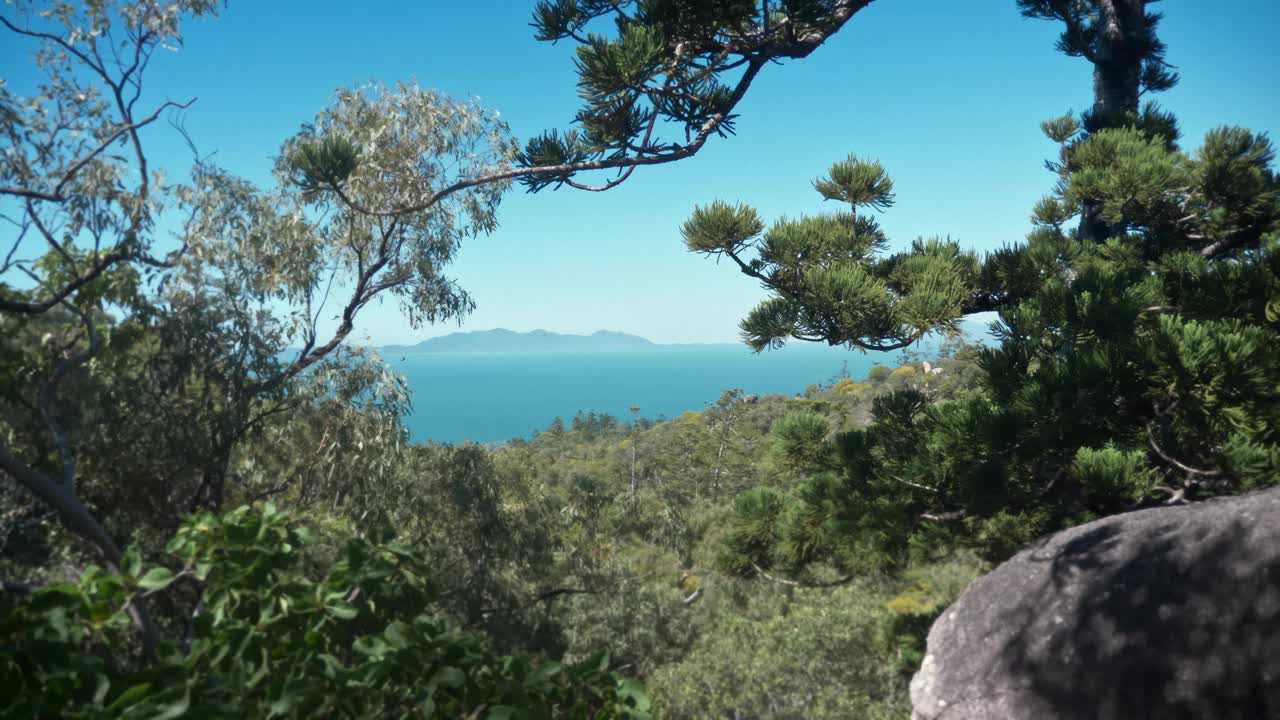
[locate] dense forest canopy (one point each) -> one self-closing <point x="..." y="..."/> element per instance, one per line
<point x="211" y="507"/>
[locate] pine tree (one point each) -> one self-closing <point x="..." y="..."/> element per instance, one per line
<point x="1135" y="363"/>
<point x="828" y="278"/>
<point x="1119" y="38"/>
<point x="671" y="65"/>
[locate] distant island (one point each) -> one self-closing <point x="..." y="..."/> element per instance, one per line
<point x="501" y="340"/>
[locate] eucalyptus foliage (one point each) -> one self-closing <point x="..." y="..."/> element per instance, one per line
<point x="117" y="339"/>
<point x="143" y="373"/>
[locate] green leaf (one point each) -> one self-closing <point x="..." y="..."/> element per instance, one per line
<point x="283" y="706"/>
<point x="633" y="692"/>
<point x="544" y="675"/>
<point x="100" y="692"/>
<point x="132" y="564"/>
<point x="395" y="635"/>
<point x="175" y="709"/>
<point x="372" y="646"/>
<point x="156" y="579"/>
<point x="597" y="662"/>
<point x="342" y="611"/>
<point x="449" y="677"/>
<point x="331" y="665"/>
<point x="129" y="697"/>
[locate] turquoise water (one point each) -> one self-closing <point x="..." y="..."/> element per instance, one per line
<point x="493" y="397"/>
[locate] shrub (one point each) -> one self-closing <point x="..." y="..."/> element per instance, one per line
<point x="362" y="640"/>
<point x="818" y="659"/>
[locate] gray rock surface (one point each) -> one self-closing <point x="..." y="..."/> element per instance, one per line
<point x="1164" y="613"/>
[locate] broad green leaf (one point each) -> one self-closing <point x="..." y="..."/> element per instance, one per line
<point x="342" y="611"/>
<point x="130" y="696"/>
<point x="175" y="709"/>
<point x="395" y="635"/>
<point x="633" y="692"/>
<point x="156" y="579"/>
<point x="449" y="677"/>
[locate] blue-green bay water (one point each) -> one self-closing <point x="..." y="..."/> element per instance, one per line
<point x="493" y="397"/>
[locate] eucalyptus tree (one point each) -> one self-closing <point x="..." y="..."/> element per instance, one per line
<point x="136" y="364"/>
<point x="191" y="354"/>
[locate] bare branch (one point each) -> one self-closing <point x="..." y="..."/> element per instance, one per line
<point x="540" y="598"/>
<point x="1155" y="447"/>
<point x="914" y="484"/>
<point x="1231" y="241"/>
<point x="794" y="583"/>
<point x="54" y="39"/>
<point x="944" y="517"/>
<point x="1176" y="497"/>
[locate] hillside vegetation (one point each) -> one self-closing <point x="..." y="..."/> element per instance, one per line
<point x="209" y="507"/>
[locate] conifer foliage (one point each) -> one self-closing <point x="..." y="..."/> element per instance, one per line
<point x="668" y="78"/>
<point x="828" y="279"/>
<point x="1134" y="362"/>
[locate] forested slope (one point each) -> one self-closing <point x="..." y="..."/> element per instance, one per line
<point x="210" y="507"/>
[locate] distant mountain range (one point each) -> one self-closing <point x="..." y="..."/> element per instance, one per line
<point x="536" y="341"/>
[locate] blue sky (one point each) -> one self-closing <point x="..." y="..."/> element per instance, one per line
<point x="948" y="95"/>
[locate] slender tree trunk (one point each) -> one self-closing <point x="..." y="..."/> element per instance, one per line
<point x="633" y="466"/>
<point x="635" y="438"/>
<point x="211" y="490"/>
<point x="715" y="481"/>
<point x="217" y="488"/>
<point x="61" y="496"/>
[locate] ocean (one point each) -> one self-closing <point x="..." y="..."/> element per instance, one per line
<point x="494" y="397"/>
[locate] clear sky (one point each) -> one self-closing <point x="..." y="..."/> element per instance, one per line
<point x="947" y="94"/>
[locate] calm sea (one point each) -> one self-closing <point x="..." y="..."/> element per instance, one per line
<point x="493" y="397"/>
